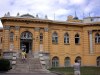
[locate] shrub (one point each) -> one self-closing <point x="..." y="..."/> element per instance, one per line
<point x="5" y="65"/>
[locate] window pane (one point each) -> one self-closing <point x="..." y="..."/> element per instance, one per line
<point x="11" y="36"/>
<point x="76" y="40"/>
<point x="54" y="38"/>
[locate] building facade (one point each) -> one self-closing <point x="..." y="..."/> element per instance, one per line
<point x="60" y="42"/>
<point x="1" y="30"/>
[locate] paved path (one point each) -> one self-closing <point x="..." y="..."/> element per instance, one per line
<point x="27" y="74"/>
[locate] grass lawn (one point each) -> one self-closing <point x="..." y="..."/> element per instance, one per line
<point x="84" y="70"/>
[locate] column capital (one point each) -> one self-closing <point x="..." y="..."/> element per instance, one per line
<point x="46" y="29"/>
<point x="90" y="31"/>
<point x="37" y="28"/>
<point x="6" y="27"/>
<point x="17" y="27"/>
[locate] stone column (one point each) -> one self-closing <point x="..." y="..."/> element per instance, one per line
<point x="6" y="38"/>
<point x="17" y="39"/>
<point x="36" y="42"/>
<point x="90" y="41"/>
<point x="46" y="39"/>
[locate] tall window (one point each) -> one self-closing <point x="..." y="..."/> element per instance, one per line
<point x="55" y="62"/>
<point x="41" y="37"/>
<point x="77" y="39"/>
<point x="54" y="38"/>
<point x="1" y="39"/>
<point x="66" y="38"/>
<point x="11" y="36"/>
<point x="67" y="62"/>
<point x="97" y="38"/>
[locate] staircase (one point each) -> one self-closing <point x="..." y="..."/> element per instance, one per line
<point x="31" y="65"/>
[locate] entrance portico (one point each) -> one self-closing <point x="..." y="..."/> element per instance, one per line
<point x="26" y="41"/>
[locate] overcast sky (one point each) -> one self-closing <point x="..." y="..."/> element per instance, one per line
<point x="59" y="9"/>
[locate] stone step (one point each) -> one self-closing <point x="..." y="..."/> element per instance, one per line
<point x="31" y="65"/>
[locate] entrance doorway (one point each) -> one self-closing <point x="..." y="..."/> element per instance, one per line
<point x="26" y="42"/>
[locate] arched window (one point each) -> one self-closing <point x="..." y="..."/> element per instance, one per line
<point x="78" y="58"/>
<point x="54" y="37"/>
<point x="11" y="36"/>
<point x="97" y="38"/>
<point x="55" y="62"/>
<point x="98" y="61"/>
<point x="41" y="38"/>
<point x="66" y="38"/>
<point x="67" y="62"/>
<point x="26" y="35"/>
<point x="77" y="39"/>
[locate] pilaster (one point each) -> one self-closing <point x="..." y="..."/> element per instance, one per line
<point x="36" y="39"/>
<point x="90" y="41"/>
<point x="46" y="39"/>
<point x="17" y="38"/>
<point x="6" y="38"/>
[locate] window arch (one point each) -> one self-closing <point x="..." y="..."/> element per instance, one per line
<point x="54" y="37"/>
<point x="97" y="38"/>
<point x="41" y="37"/>
<point x="66" y="38"/>
<point x="77" y="39"/>
<point x="26" y="35"/>
<point x="11" y="36"/>
<point x="98" y="61"/>
<point x="55" y="62"/>
<point x="67" y="62"/>
<point x="78" y="58"/>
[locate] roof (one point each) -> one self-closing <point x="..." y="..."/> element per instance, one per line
<point x="92" y="17"/>
<point x="27" y="16"/>
<point x="37" y="20"/>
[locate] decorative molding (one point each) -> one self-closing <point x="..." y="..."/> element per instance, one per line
<point x="46" y="29"/>
<point x="37" y="28"/>
<point x="17" y="27"/>
<point x="6" y="27"/>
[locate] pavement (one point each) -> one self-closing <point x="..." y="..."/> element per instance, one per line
<point x="27" y="74"/>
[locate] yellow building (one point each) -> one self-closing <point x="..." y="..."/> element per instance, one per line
<point x="60" y="42"/>
<point x="1" y="30"/>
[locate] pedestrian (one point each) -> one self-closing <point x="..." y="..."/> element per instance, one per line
<point x="76" y="68"/>
<point x="23" y="56"/>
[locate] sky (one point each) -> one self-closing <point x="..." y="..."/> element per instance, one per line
<point x="54" y="9"/>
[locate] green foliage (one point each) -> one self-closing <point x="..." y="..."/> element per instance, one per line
<point x="5" y="65"/>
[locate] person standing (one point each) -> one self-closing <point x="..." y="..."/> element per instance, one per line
<point x="76" y="68"/>
<point x="23" y="56"/>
